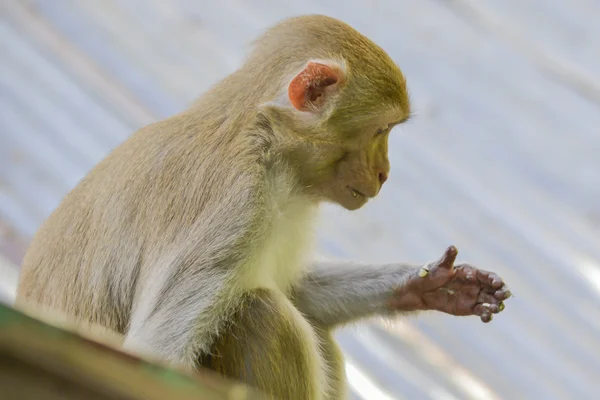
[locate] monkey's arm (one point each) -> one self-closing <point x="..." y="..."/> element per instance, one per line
<point x="184" y="296"/>
<point x="335" y="293"/>
<point x="180" y="312"/>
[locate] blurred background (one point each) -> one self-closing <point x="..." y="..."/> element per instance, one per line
<point x="502" y="160"/>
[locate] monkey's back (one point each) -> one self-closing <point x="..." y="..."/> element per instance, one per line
<point x="69" y="260"/>
<point x="74" y="257"/>
<point x="87" y="258"/>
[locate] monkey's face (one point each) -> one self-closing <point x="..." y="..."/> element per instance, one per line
<point x="354" y="163"/>
<point x="346" y="123"/>
<point x="361" y="173"/>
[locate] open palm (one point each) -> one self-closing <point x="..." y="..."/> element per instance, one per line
<point x="457" y="290"/>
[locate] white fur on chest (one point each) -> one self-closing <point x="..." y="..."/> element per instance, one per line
<point x="281" y="257"/>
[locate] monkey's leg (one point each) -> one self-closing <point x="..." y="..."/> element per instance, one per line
<point x="334" y="362"/>
<point x="270" y="346"/>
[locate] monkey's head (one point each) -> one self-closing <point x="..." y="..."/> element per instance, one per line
<point x="339" y="97"/>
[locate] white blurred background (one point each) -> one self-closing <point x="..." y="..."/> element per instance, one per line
<point x="502" y="160"/>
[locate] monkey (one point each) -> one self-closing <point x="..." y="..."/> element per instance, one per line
<point x="192" y="240"/>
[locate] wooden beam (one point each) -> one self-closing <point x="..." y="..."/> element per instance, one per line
<point x="39" y="361"/>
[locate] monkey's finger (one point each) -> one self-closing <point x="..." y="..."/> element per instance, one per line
<point x="490" y="301"/>
<point x="466" y="273"/>
<point x="489" y="279"/>
<point x="487" y="318"/>
<point x="502" y="294"/>
<point x="485" y="311"/>
<point x="495" y="281"/>
<point x="447" y="260"/>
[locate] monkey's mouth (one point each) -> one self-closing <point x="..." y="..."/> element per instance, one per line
<point x="355" y="193"/>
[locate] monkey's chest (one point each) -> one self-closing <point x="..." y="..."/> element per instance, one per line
<point x="281" y="257"/>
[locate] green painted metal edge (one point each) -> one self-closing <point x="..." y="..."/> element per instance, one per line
<point x="79" y="359"/>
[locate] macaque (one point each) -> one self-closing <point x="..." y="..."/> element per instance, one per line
<point x="192" y="239"/>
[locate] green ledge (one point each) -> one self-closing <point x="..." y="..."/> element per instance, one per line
<point x="39" y="361"/>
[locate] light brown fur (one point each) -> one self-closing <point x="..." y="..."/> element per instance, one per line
<point x="292" y="339"/>
<point x="163" y="241"/>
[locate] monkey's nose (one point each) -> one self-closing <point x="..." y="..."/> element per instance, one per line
<point x="382" y="177"/>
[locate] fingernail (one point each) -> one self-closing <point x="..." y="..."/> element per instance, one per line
<point x="423" y="272"/>
<point x="501" y="306"/>
<point x="508" y="294"/>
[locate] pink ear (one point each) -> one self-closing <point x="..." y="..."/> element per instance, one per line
<point x="308" y="87"/>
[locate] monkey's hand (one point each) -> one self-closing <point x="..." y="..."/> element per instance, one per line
<point x="457" y="290"/>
